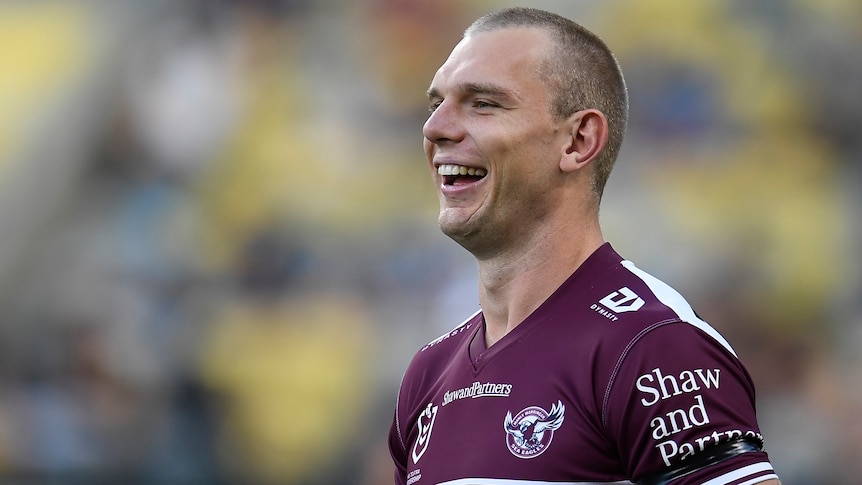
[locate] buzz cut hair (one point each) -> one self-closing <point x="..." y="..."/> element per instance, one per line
<point x="582" y="72"/>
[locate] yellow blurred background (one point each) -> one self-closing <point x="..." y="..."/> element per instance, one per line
<point x="218" y="242"/>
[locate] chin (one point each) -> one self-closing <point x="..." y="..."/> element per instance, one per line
<point x="470" y="238"/>
<point x="454" y="231"/>
<point x="466" y="228"/>
<point x="457" y="231"/>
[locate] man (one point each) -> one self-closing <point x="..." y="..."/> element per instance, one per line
<point x="580" y="367"/>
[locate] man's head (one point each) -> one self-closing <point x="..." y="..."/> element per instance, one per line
<point x="519" y="136"/>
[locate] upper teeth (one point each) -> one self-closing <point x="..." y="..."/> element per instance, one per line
<point x="461" y="170"/>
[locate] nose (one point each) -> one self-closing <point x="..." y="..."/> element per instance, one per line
<point x="443" y="124"/>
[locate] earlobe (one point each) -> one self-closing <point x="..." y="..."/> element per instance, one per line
<point x="589" y="136"/>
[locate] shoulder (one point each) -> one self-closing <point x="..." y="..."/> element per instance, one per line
<point x="448" y="339"/>
<point x="655" y="322"/>
<point x="635" y="302"/>
<point x="666" y="304"/>
<point x="626" y="316"/>
<point x="430" y="360"/>
<point x="423" y="374"/>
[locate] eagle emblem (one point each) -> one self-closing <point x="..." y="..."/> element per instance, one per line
<point x="529" y="432"/>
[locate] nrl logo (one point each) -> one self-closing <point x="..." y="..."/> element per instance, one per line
<point x="425" y="423"/>
<point x="529" y="433"/>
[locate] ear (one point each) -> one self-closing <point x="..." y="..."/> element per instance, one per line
<point x="588" y="137"/>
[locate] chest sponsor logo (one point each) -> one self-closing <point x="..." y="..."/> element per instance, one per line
<point x="530" y="431"/>
<point x="425" y="423"/>
<point x="620" y="301"/>
<point x="478" y="389"/>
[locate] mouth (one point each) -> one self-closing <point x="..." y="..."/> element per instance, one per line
<point x="460" y="175"/>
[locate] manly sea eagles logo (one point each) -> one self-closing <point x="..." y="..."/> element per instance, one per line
<point x="530" y="432"/>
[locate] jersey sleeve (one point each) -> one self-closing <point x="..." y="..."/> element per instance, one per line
<point x="398" y="437"/>
<point x="398" y="453"/>
<point x="676" y="396"/>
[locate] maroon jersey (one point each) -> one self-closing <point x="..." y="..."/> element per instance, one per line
<point x="612" y="379"/>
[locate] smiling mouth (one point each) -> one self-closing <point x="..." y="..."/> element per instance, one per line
<point x="460" y="175"/>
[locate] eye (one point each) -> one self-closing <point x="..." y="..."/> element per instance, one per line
<point x="433" y="105"/>
<point x="483" y="104"/>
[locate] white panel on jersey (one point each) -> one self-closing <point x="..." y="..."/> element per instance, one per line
<point x="743" y="472"/>
<point x="677" y="303"/>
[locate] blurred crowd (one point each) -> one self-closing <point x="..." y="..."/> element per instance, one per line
<point x="219" y="245"/>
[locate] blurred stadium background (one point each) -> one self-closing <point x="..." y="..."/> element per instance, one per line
<point x="218" y="246"/>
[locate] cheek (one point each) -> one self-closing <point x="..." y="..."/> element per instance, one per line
<point x="522" y="138"/>
<point x="533" y="169"/>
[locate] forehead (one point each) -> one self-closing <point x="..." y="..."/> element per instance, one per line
<point x="510" y="58"/>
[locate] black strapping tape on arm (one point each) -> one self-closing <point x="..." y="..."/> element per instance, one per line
<point x="710" y="456"/>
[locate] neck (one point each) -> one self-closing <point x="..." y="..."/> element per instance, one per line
<point x="514" y="283"/>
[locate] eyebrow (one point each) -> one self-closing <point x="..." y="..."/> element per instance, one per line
<point x="475" y="88"/>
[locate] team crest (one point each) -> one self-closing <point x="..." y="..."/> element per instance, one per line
<point x="529" y="433"/>
<point x="425" y="424"/>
